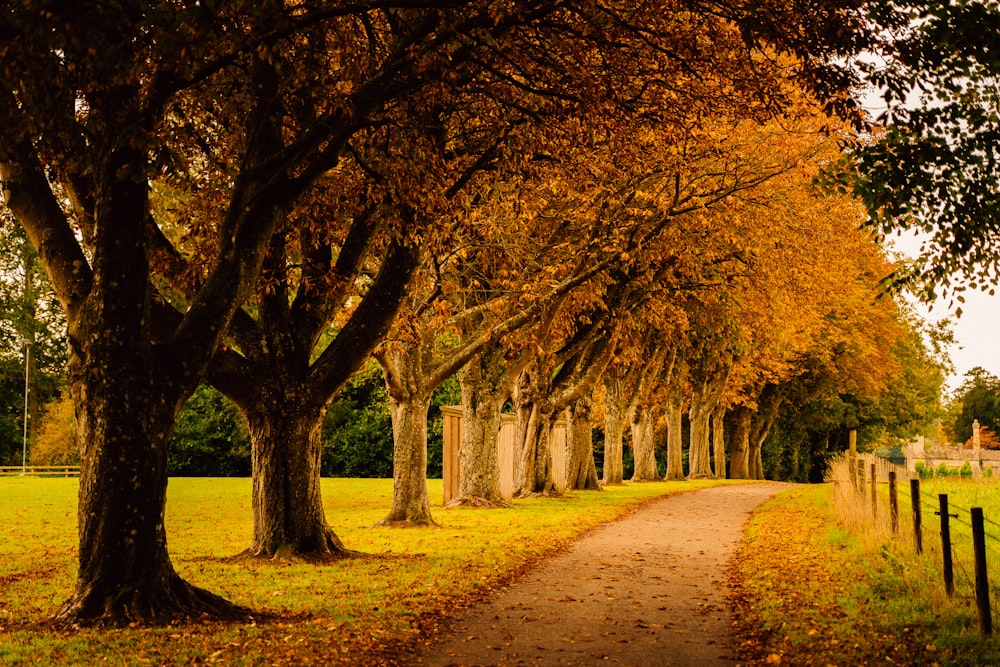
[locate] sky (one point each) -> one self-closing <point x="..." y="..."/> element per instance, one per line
<point x="977" y="331"/>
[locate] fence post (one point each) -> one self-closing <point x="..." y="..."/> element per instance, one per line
<point x="949" y="575"/>
<point x="915" y="502"/>
<point x="982" y="576"/>
<point x="874" y="472"/>
<point x="861" y="477"/>
<point x="893" y="503"/>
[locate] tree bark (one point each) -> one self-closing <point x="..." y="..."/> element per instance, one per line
<point x="739" y="444"/>
<point x="533" y="469"/>
<point x="410" y="502"/>
<point x="643" y="445"/>
<point x="675" y="440"/>
<point x="125" y="415"/>
<point x="482" y="400"/>
<point x="699" y="464"/>
<point x="581" y="471"/>
<point x="288" y="515"/>
<point x="614" y="431"/>
<point x="719" y="441"/>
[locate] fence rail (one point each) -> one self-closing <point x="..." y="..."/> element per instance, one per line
<point x="967" y="545"/>
<point x="40" y="471"/>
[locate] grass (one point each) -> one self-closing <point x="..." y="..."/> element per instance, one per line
<point x="815" y="583"/>
<point x="357" y="611"/>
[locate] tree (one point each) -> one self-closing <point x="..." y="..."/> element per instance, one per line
<point x="977" y="398"/>
<point x="933" y="168"/>
<point x="246" y="110"/>
<point x="96" y="101"/>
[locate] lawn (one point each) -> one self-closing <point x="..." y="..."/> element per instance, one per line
<point x="356" y="611"/>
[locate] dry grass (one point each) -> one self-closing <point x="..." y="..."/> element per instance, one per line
<point x="818" y="582"/>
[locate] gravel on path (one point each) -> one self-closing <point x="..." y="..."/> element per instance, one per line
<point x="648" y="589"/>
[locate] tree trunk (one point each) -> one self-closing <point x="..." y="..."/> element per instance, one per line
<point x="581" y="471"/>
<point x="758" y="461"/>
<point x="719" y="441"/>
<point x="479" y="484"/>
<point x="614" y="430"/>
<point x="288" y="515"/>
<point x="699" y="463"/>
<point x="124" y="421"/>
<point x="675" y="441"/>
<point x="533" y="472"/>
<point x="739" y="444"/>
<point x="643" y="446"/>
<point x="410" y="502"/>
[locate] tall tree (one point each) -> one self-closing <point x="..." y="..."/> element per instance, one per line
<point x="933" y="168"/>
<point x="99" y="99"/>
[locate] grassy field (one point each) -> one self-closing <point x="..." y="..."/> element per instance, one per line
<point x="343" y="613"/>
<point x="815" y="583"/>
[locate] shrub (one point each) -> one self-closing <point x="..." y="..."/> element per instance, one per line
<point x="943" y="470"/>
<point x="988" y="471"/>
<point x="55" y="443"/>
<point x="965" y="470"/>
<point x="923" y="470"/>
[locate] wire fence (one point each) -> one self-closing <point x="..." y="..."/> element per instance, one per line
<point x="963" y="541"/>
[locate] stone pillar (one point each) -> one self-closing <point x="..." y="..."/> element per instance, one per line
<point x="975" y="435"/>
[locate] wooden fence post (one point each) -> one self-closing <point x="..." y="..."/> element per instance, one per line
<point x="861" y="477"/>
<point x="893" y="504"/>
<point x="915" y="502"/>
<point x="949" y="574"/>
<point x="982" y="576"/>
<point x="874" y="472"/>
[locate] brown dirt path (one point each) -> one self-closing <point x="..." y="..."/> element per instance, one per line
<point x="645" y="590"/>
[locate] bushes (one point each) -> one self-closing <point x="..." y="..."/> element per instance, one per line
<point x="56" y="443"/>
<point x="210" y="439"/>
<point x="965" y="472"/>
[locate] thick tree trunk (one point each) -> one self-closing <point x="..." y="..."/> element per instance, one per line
<point x="479" y="484"/>
<point x="124" y="421"/>
<point x="675" y="441"/>
<point x="288" y="515"/>
<point x="643" y="445"/>
<point x="699" y="463"/>
<point x="614" y="432"/>
<point x="410" y="502"/>
<point x="533" y="470"/>
<point x="719" y="441"/>
<point x="739" y="444"/>
<point x="757" y="472"/>
<point x="581" y="471"/>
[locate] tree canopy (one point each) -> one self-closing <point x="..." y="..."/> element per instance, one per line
<point x="932" y="166"/>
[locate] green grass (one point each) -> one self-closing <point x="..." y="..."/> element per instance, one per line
<point x="332" y="613"/>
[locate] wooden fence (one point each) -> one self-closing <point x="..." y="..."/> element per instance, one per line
<point x="963" y="540"/>
<point x="40" y="471"/>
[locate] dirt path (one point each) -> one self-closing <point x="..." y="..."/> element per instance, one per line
<point x="645" y="590"/>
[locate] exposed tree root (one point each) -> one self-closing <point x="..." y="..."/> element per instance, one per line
<point x="548" y="493"/>
<point x="150" y="603"/>
<point x="287" y="555"/>
<point x="389" y="522"/>
<point x="478" y="502"/>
